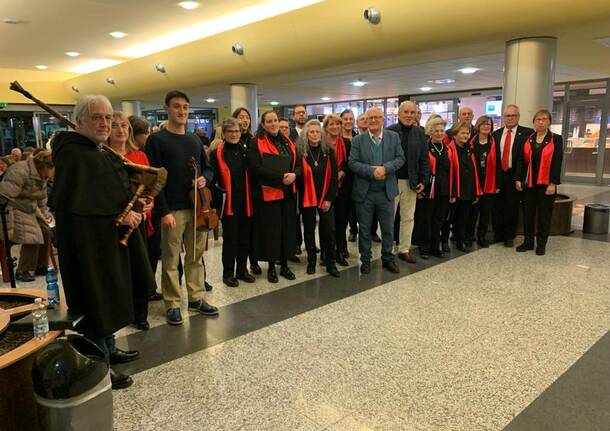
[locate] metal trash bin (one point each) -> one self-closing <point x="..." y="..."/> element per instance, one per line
<point x="72" y="386"/>
<point x="596" y="218"/>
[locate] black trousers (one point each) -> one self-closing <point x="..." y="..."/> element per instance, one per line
<point x="142" y="280"/>
<point x="461" y="214"/>
<point x="448" y="223"/>
<point x="154" y="242"/>
<point x="536" y="201"/>
<point x="506" y="208"/>
<point x="341" y="209"/>
<point x="299" y="232"/>
<point x="236" y="234"/>
<point x="432" y="213"/>
<point x="481" y="213"/>
<point x="327" y="233"/>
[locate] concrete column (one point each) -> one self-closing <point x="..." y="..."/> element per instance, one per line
<point x="131" y="107"/>
<point x="529" y="75"/>
<point x="245" y="95"/>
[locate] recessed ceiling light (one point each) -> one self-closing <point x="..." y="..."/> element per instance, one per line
<point x="426" y="88"/>
<point x="188" y="5"/>
<point x="325" y="98"/>
<point x="359" y="83"/>
<point x="469" y="70"/>
<point x="442" y="81"/>
<point x="274" y="103"/>
<point x="72" y="53"/>
<point x="41" y="67"/>
<point x="210" y="100"/>
<point x="117" y="34"/>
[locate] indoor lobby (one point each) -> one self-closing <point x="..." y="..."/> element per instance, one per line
<point x="480" y="339"/>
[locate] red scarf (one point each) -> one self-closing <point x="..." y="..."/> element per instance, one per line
<point x="341" y="158"/>
<point x="266" y="146"/>
<point x="490" y="166"/>
<point x="546" y="160"/>
<point x="225" y="175"/>
<point x="453" y="157"/>
<point x="432" y="160"/>
<point x="309" y="189"/>
<point x="140" y="158"/>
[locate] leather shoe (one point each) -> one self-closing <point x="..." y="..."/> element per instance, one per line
<point x="230" y="281"/>
<point x="524" y="247"/>
<point x="437" y="253"/>
<point x="287" y="273"/>
<point x="332" y="270"/>
<point x="540" y="249"/>
<point x="246" y="277"/>
<point x="424" y="253"/>
<point x="143" y="326"/>
<point x="272" y="275"/>
<point x="352" y="237"/>
<point x="483" y="243"/>
<point x="461" y="247"/>
<point x="445" y="247"/>
<point x="121" y="356"/>
<point x="120" y="380"/>
<point x="509" y="243"/>
<point x="391" y="266"/>
<point x="24" y="276"/>
<point x="256" y="269"/>
<point x="342" y="261"/>
<point x="365" y="268"/>
<point x="407" y="257"/>
<point x="311" y="267"/>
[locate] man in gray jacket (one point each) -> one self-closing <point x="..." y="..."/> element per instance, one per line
<point x="374" y="158"/>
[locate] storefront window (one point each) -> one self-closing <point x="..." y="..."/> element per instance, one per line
<point x="444" y="108"/>
<point x="319" y="111"/>
<point x="392" y="111"/>
<point x="357" y="107"/>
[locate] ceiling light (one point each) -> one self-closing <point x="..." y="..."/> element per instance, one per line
<point x="359" y="83"/>
<point x="469" y="70"/>
<point x="426" y="88"/>
<point x="326" y="99"/>
<point x="75" y="89"/>
<point x="117" y="34"/>
<point x="210" y="100"/>
<point x="442" y="81"/>
<point x="160" y="67"/>
<point x="110" y="80"/>
<point x="238" y="49"/>
<point x="10" y="21"/>
<point x="372" y="15"/>
<point x="274" y="103"/>
<point x="72" y="53"/>
<point x="188" y="5"/>
<point x="41" y="67"/>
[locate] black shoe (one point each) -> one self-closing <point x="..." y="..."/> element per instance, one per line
<point x="230" y="281"/>
<point x="143" y="326"/>
<point x="311" y="267"/>
<point x="298" y="251"/>
<point x="119" y="380"/>
<point x="345" y="253"/>
<point x="247" y="277"/>
<point x="208" y="287"/>
<point x="41" y="270"/>
<point x="121" y="356"/>
<point x="391" y="266"/>
<point x="445" y="247"/>
<point x="352" y="237"/>
<point x="468" y="243"/>
<point x="375" y="238"/>
<point x="173" y="316"/>
<point x="294" y="259"/>
<point x="287" y="273"/>
<point x="333" y="271"/>
<point x="509" y="243"/>
<point x="272" y="275"/>
<point x="155" y="297"/>
<point x="203" y="307"/>
<point x="483" y="243"/>
<point x="541" y="249"/>
<point x="461" y="246"/>
<point x="437" y="253"/>
<point x="256" y="269"/>
<point x="365" y="268"/>
<point x="525" y="247"/>
<point x="24" y="276"/>
<point x="424" y="253"/>
<point x="342" y="261"/>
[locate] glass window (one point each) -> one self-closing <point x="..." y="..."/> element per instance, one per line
<point x="356" y="106"/>
<point x="319" y="111"/>
<point x="584" y="89"/>
<point x="375" y="103"/>
<point x="392" y="111"/>
<point x="444" y="108"/>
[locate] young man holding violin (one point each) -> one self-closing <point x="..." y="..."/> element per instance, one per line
<point x="174" y="148"/>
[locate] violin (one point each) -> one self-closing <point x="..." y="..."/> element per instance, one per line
<point x="206" y="218"/>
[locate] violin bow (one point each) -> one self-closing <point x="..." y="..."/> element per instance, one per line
<point x="194" y="163"/>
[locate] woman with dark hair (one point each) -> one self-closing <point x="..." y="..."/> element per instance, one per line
<point x="537" y="174"/>
<point x="274" y="166"/>
<point x="486" y="155"/>
<point x="245" y="125"/>
<point x="318" y="191"/>
<point x="141" y="130"/>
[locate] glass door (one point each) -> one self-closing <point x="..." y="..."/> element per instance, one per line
<point x="582" y="140"/>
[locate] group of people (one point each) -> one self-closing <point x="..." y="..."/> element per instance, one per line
<point x="276" y="186"/>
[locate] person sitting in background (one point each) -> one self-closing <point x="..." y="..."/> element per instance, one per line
<point x="27" y="180"/>
<point x="538" y="174"/>
<point x="318" y="191"/>
<point x="141" y="130"/>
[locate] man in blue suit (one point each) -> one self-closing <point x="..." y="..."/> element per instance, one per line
<point x="374" y="159"/>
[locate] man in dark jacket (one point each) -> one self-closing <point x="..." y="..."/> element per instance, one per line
<point x="413" y="176"/>
<point x="91" y="188"/>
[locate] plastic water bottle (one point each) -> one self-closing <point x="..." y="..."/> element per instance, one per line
<point x="40" y="319"/>
<point x="52" y="288"/>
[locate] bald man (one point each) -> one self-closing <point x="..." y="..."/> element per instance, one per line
<point x="466" y="114"/>
<point x="374" y="158"/>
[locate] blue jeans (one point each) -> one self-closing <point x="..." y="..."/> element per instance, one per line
<point x="376" y="203"/>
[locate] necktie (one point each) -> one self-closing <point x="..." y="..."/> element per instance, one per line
<point x="506" y="151"/>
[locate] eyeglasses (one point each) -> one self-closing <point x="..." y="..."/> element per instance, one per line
<point x="375" y="117"/>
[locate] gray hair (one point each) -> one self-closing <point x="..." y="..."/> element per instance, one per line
<point x="511" y="105"/>
<point x="82" y="110"/>
<point x="432" y="123"/>
<point x="230" y="122"/>
<point x="406" y="103"/>
<point x="302" y="142"/>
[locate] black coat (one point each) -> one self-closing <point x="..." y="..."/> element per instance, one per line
<point x="91" y="188"/>
<point x="416" y="154"/>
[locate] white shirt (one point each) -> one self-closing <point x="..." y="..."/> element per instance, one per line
<point x="380" y="136"/>
<point x="298" y="130"/>
<point x="512" y="141"/>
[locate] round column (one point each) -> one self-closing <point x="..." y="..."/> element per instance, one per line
<point x="245" y="95"/>
<point x="131" y="107"/>
<point x="529" y="75"/>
